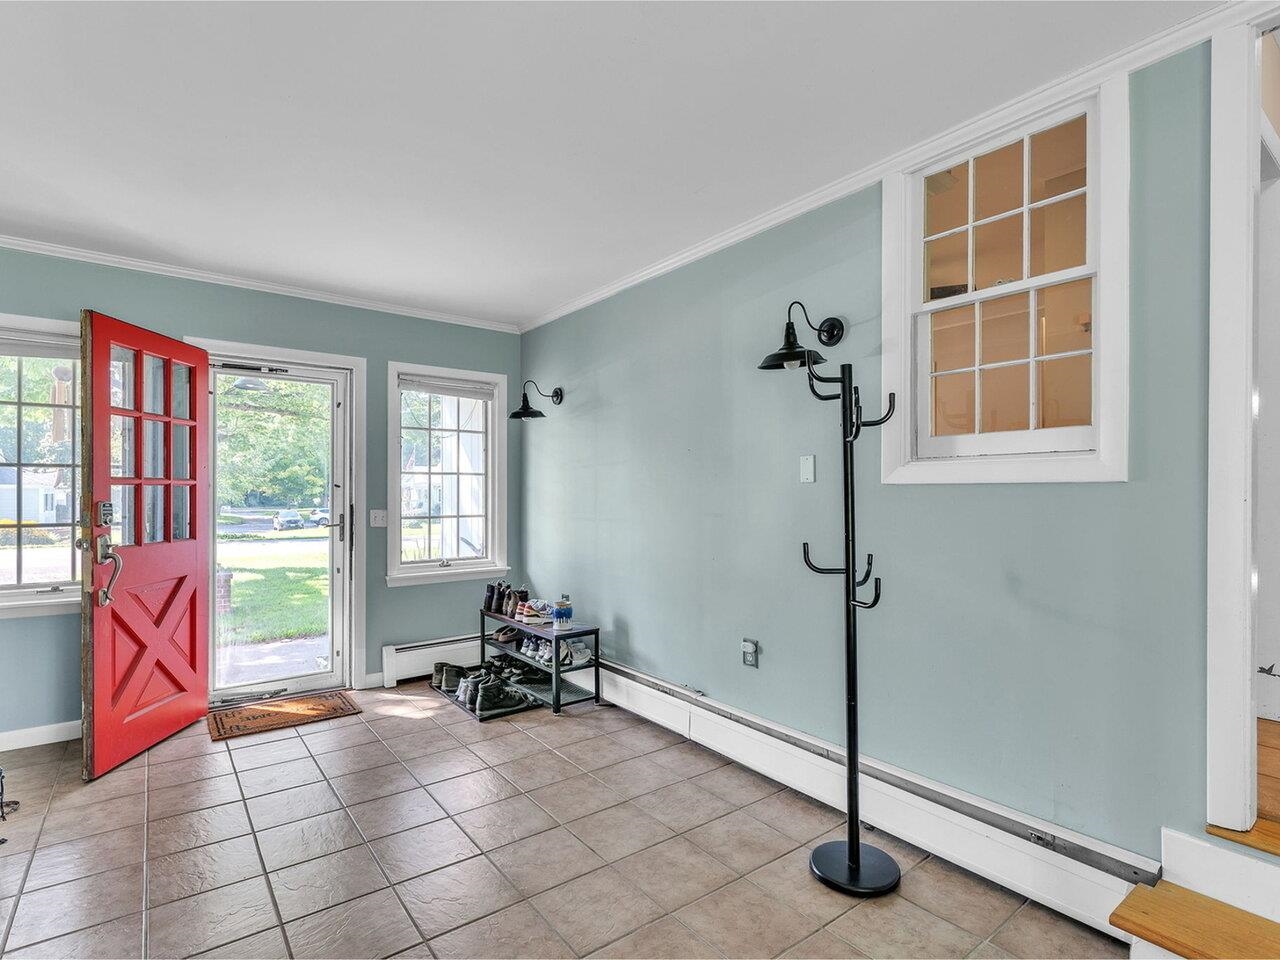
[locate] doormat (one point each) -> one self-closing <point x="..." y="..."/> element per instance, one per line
<point x="274" y="714"/>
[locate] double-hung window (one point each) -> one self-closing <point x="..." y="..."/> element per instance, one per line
<point x="1007" y="322"/>
<point x="39" y="460"/>
<point x="447" y="516"/>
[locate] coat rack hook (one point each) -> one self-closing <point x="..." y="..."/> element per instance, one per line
<point x="814" y="567"/>
<point x="866" y="576"/>
<point x="875" y="598"/>
<point x="885" y="418"/>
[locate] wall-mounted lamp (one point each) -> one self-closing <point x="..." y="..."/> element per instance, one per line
<point x="527" y="412"/>
<point x="791" y="355"/>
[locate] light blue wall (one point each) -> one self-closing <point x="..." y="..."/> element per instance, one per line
<point x="1039" y="645"/>
<point x="39" y="658"/>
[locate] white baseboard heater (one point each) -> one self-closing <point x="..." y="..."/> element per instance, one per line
<point x="408" y="661"/>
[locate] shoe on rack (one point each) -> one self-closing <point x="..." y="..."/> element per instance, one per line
<point x="506" y="635"/>
<point x="450" y="676"/>
<point x="509" y="608"/>
<point x="489" y="589"/>
<point x="499" y="696"/>
<point x="537" y="611"/>
<point x="579" y="652"/>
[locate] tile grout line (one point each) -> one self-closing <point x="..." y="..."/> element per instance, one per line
<point x="368" y="846"/>
<point x="266" y="877"/>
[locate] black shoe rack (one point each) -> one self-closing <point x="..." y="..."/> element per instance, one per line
<point x="555" y="691"/>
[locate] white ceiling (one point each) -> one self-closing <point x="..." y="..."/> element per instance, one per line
<point x="491" y="161"/>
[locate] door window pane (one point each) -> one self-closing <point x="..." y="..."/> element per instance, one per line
<point x="997" y="252"/>
<point x="153" y="514"/>
<point x="1064" y="317"/>
<point x="1058" y="159"/>
<point x="123" y="377"/>
<point x="953" y="404"/>
<point x="1058" y="236"/>
<point x="946" y="266"/>
<point x="181" y="452"/>
<point x="1006" y="398"/>
<point x="181" y="400"/>
<point x="152" y="384"/>
<point x="1066" y="391"/>
<point x="997" y="181"/>
<point x="181" y="512"/>
<point x="946" y="200"/>
<point x="153" y="448"/>
<point x="123" y="455"/>
<point x="1006" y="329"/>
<point x="123" y="525"/>
<point x="952" y="338"/>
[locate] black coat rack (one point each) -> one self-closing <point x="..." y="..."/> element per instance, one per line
<point x="847" y="865"/>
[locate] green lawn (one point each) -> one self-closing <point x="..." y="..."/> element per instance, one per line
<point x="279" y="590"/>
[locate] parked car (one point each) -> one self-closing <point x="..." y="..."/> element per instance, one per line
<point x="286" y="520"/>
<point x="319" y="518"/>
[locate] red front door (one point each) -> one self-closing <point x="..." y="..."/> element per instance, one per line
<point x="145" y="539"/>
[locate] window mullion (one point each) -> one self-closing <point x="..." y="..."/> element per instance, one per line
<point x="1033" y="375"/>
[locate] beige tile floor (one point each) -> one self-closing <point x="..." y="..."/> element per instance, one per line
<point x="413" y="830"/>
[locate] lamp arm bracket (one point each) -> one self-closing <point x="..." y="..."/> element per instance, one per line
<point x="814" y="567"/>
<point x="875" y="598"/>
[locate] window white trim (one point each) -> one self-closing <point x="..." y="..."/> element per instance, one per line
<point x="1231" y="732"/>
<point x="1008" y="459"/>
<point x="41" y="601"/>
<point x="401" y="574"/>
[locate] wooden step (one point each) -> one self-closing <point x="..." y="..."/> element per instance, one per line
<point x="1190" y="924"/>
<point x="1264" y="836"/>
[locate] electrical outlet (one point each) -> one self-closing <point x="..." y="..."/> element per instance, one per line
<point x="377" y="518"/>
<point x="750" y="653"/>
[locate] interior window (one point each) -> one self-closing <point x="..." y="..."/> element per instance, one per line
<point x="39" y="455"/>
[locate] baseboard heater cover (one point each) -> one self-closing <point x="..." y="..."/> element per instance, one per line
<point x="1104" y="857"/>
<point x="408" y="661"/>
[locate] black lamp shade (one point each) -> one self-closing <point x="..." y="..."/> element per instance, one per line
<point x="525" y="412"/>
<point x="791" y="354"/>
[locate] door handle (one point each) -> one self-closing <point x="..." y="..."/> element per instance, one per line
<point x="341" y="525"/>
<point x="103" y="553"/>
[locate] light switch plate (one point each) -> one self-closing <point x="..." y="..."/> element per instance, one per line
<point x="806" y="468"/>
<point x="377" y="518"/>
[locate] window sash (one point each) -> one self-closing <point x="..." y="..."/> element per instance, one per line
<point x="38" y="347"/>
<point x="1075" y="440"/>
<point x="462" y="389"/>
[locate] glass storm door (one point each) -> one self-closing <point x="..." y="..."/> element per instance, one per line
<point x="281" y="541"/>
<point x="145" y="539"/>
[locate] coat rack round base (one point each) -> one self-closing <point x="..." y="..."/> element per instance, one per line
<point x="877" y="872"/>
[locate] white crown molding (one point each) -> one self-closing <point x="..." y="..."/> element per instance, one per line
<point x="262" y="286"/>
<point x="1164" y="44"/>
